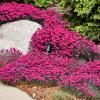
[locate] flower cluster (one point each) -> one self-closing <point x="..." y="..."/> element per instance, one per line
<point x="54" y="51"/>
<point x="9" y="55"/>
<point x="12" y="11"/>
<point x="53" y="33"/>
<point x="62" y="42"/>
<point x="87" y="76"/>
<point x="40" y="66"/>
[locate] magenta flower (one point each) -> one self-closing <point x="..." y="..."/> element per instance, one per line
<point x="55" y="51"/>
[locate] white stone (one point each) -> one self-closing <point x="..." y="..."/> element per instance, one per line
<point x="17" y="34"/>
<point x="12" y="93"/>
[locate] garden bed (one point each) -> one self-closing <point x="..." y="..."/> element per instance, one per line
<point x="55" y="54"/>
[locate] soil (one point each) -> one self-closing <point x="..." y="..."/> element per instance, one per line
<point x="42" y="92"/>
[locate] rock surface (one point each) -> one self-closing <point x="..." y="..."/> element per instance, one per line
<point x="17" y="34"/>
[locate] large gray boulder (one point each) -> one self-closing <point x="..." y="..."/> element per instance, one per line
<point x="17" y="34"/>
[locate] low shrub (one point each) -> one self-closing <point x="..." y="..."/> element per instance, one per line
<point x="40" y="66"/>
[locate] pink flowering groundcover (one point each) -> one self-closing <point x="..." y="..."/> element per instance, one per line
<point x="54" y="52"/>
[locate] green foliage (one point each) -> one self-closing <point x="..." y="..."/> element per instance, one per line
<point x="85" y="17"/>
<point x="18" y="1"/>
<point x="89" y="29"/>
<point x="43" y="3"/>
<point x="38" y="3"/>
<point x="83" y="7"/>
<point x="61" y="95"/>
<point x="73" y="90"/>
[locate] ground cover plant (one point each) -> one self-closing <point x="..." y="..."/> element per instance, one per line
<point x="7" y="56"/>
<point x="54" y="52"/>
<point x="83" y="15"/>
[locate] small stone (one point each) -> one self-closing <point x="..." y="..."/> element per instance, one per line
<point x="33" y="96"/>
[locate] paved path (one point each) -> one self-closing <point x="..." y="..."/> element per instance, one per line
<point x="12" y="93"/>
